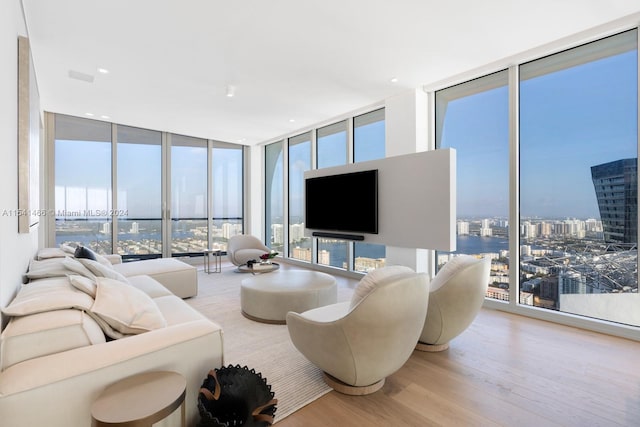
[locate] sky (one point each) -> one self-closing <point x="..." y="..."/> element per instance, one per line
<point x="83" y="168"/>
<point x="570" y="120"/>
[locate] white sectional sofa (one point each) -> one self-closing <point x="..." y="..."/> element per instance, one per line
<point x="58" y="351"/>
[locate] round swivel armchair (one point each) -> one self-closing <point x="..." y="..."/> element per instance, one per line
<point x="455" y="297"/>
<point x="244" y="247"/>
<point x="359" y="343"/>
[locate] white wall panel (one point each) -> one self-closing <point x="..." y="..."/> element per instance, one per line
<point x="416" y="199"/>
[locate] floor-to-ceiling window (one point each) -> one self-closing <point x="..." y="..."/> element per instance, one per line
<point x="562" y="193"/>
<point x="139" y="192"/>
<point x="274" y="196"/>
<point x="332" y="150"/>
<point x="359" y="138"/>
<point x="82" y="170"/>
<point x="299" y="161"/>
<point x="195" y="203"/>
<point x="578" y="180"/>
<point x="227" y="170"/>
<point x="368" y="144"/>
<point x="473" y="118"/>
<point x="188" y="195"/>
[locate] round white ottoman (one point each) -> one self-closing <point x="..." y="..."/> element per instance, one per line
<point x="268" y="297"/>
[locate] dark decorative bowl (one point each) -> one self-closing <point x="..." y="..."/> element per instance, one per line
<point x="236" y="396"/>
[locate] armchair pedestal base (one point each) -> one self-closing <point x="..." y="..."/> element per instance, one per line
<point x="432" y="348"/>
<point x="351" y="390"/>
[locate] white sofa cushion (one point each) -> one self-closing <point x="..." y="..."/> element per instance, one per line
<point x="374" y="279"/>
<point x="51" y="267"/>
<point x="84" y="284"/>
<point x="149" y="286"/>
<point x="54" y="293"/>
<point x="75" y="266"/>
<point x="46" y="253"/>
<point x="178" y="277"/>
<point x="41" y="334"/>
<point x="101" y="270"/>
<point x="125" y="308"/>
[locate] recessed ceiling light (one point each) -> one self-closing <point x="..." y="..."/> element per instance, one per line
<point x="241" y="140"/>
<point x="394" y="80"/>
<point x="88" y="114"/>
<point x="292" y="120"/>
<point x="103" y="71"/>
<point x="231" y="91"/>
<point x="105" y="117"/>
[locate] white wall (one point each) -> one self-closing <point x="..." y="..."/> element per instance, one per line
<point x="255" y="196"/>
<point x="15" y="249"/>
<point x="406" y="128"/>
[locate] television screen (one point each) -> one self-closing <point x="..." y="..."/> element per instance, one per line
<point x="344" y="203"/>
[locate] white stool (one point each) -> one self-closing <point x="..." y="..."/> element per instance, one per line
<point x="269" y="297"/>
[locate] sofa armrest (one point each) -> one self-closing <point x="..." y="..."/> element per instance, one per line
<point x="114" y="258"/>
<point x="63" y="385"/>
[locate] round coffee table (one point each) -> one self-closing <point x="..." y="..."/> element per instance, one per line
<point x="258" y="268"/>
<point x="269" y="297"/>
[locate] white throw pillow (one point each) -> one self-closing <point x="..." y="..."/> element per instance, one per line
<point x="126" y="309"/>
<point x="374" y="279"/>
<point x="68" y="249"/>
<point x="84" y="284"/>
<point x="46" y="253"/>
<point x="52" y="267"/>
<point x="42" y="295"/>
<point x="75" y="266"/>
<point x="101" y="270"/>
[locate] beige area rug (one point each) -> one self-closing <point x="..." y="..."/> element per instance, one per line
<point x="263" y="347"/>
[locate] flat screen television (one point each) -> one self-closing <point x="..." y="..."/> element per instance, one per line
<point x="346" y="203"/>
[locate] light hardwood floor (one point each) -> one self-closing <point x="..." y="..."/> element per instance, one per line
<point x="505" y="370"/>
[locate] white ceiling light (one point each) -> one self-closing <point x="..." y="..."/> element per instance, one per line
<point x="103" y="71"/>
<point x="394" y="80"/>
<point x="231" y="91"/>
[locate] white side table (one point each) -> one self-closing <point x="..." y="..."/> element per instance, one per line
<point x="140" y="400"/>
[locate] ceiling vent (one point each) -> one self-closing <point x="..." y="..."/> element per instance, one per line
<point x="80" y="76"/>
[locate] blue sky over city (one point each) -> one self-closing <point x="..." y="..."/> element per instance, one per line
<point x="570" y="120"/>
<point x="84" y="169"/>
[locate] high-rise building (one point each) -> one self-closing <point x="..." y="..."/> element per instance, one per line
<point x="277" y="233"/>
<point x="106" y="228"/>
<point x="296" y="232"/>
<point x="463" y="228"/>
<point x="485" y="228"/>
<point x="616" y="187"/>
<point x="572" y="282"/>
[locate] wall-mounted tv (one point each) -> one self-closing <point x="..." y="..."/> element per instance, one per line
<point x="343" y="203"/>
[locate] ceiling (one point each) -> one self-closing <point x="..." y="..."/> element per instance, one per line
<point x="293" y="63"/>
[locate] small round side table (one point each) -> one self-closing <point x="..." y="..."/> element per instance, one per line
<point x="140" y="400"/>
